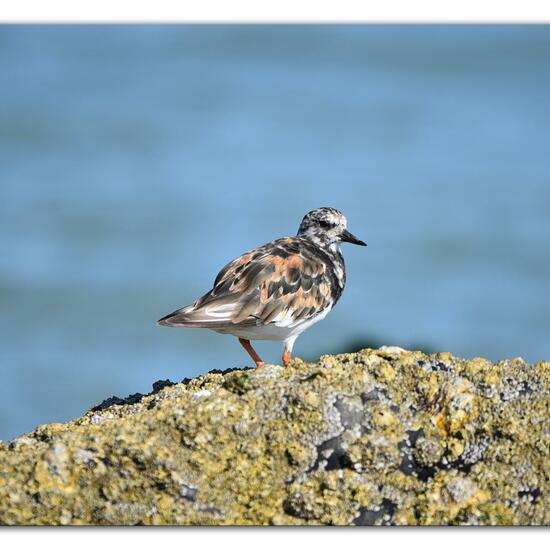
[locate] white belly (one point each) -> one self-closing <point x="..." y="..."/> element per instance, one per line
<point x="274" y="331"/>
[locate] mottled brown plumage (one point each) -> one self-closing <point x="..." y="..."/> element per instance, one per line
<point x="283" y="279"/>
<point x="277" y="290"/>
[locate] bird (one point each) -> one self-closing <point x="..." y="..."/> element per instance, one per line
<point x="278" y="290"/>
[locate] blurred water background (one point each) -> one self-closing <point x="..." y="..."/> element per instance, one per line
<point x="135" y="161"/>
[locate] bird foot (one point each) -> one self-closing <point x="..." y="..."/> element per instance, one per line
<point x="248" y="347"/>
<point x="286" y="358"/>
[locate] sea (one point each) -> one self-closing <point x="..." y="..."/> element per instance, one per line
<point x="137" y="160"/>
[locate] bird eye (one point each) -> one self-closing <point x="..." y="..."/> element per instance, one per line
<point x="325" y="224"/>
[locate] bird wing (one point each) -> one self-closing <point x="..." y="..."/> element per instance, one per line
<point x="282" y="283"/>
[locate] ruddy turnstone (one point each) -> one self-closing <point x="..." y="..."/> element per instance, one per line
<point x="278" y="290"/>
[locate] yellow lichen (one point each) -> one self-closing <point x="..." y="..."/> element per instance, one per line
<point x="376" y="437"/>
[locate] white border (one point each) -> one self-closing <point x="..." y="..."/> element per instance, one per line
<point x="280" y="11"/>
<point x="244" y="538"/>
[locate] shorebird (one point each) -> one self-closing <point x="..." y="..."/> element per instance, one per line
<point x="278" y="290"/>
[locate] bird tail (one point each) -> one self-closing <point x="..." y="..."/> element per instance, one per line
<point x="179" y="318"/>
<point x="214" y="313"/>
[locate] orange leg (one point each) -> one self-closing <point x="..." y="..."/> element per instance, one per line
<point x="286" y="358"/>
<point x="255" y="357"/>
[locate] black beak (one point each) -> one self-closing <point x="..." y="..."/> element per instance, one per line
<point x="349" y="238"/>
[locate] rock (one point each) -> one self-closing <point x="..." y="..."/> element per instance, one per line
<point x="378" y="437"/>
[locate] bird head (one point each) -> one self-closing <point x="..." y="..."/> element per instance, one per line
<point x="327" y="227"/>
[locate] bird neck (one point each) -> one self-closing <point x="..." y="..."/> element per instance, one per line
<point x="331" y="251"/>
<point x="320" y="240"/>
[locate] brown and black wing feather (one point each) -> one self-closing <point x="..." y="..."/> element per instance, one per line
<point x="288" y="280"/>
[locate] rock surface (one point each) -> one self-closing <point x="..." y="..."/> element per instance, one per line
<point x="383" y="436"/>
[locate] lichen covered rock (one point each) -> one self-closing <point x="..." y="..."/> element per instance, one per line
<point x="381" y="436"/>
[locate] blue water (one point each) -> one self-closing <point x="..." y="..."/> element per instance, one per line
<point x="136" y="161"/>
